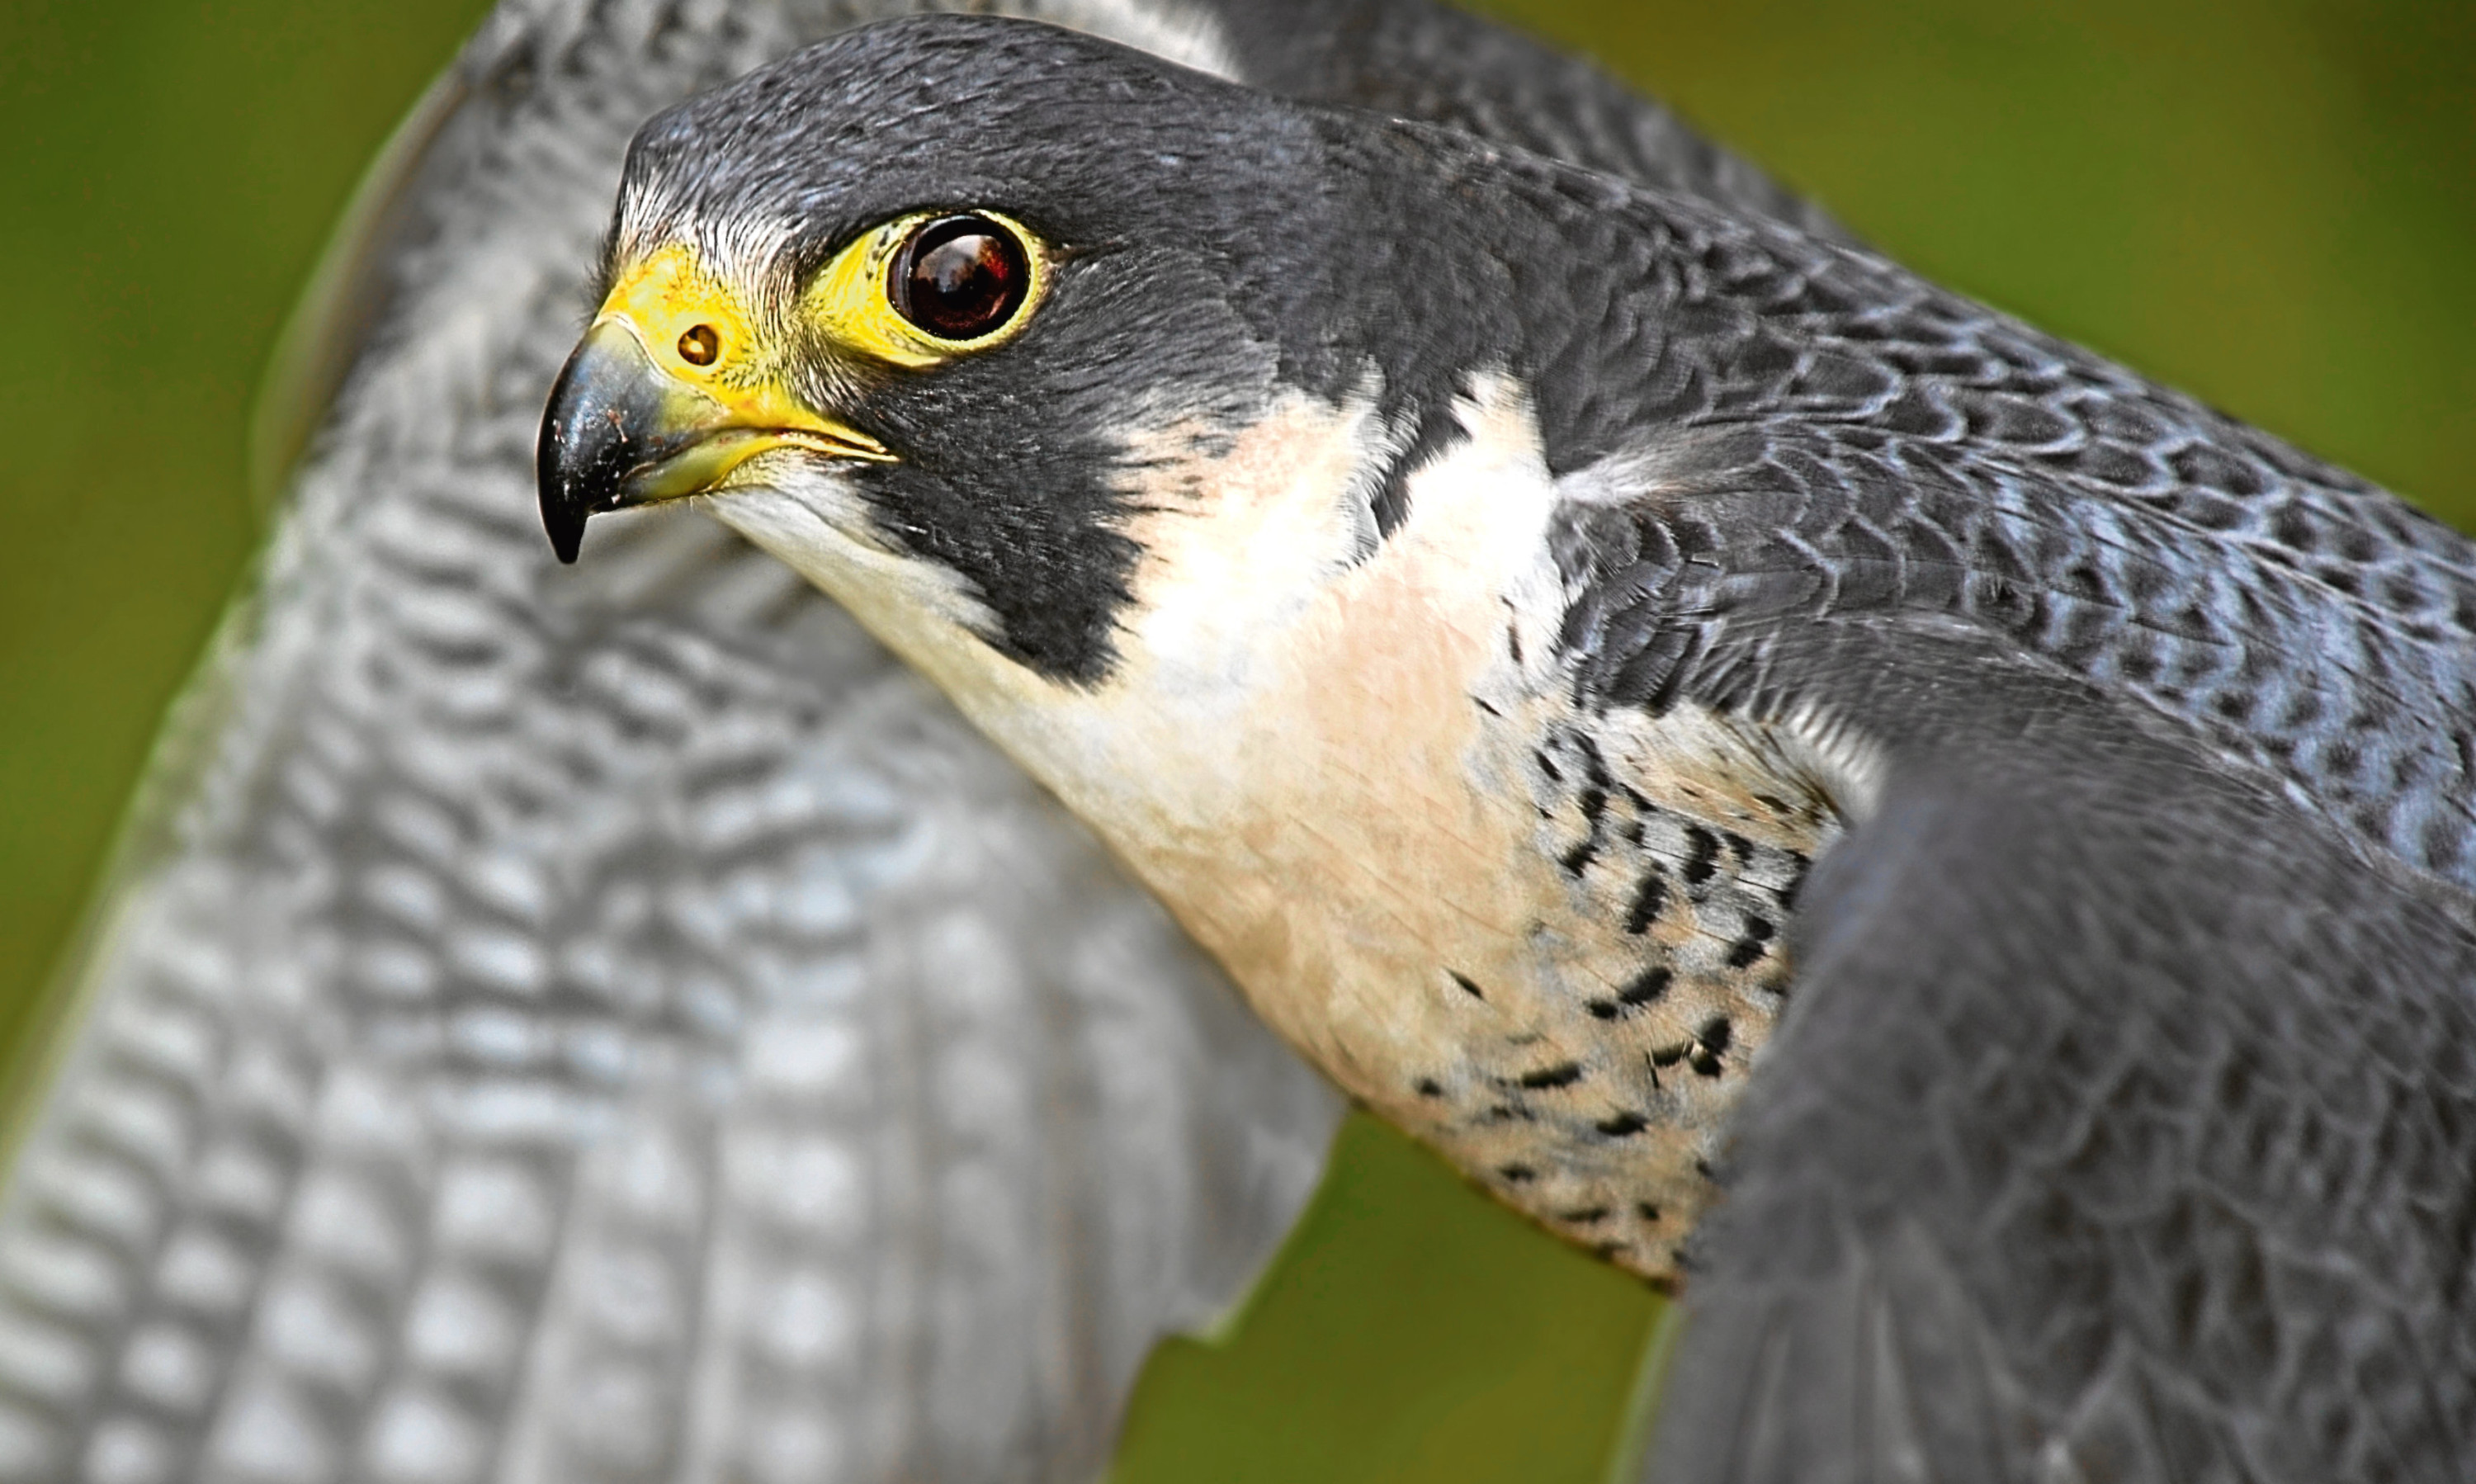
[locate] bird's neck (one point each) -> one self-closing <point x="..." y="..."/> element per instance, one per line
<point x="1354" y="771"/>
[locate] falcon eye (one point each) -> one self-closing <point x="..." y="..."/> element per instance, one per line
<point x="699" y="345"/>
<point x="959" y="278"/>
<point x="928" y="287"/>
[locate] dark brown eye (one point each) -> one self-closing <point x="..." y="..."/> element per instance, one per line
<point x="961" y="278"/>
<point x="698" y="345"/>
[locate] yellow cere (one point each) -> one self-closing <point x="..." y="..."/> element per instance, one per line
<point x="722" y="376"/>
<point x="696" y="333"/>
<point x="849" y="298"/>
<point x="691" y="326"/>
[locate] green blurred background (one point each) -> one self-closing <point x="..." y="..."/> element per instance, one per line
<point x="2271" y="202"/>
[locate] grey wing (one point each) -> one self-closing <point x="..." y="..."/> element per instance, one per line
<point x="2119" y="1127"/>
<point x="613" y="1024"/>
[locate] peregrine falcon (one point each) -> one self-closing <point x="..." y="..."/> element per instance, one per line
<point x="616" y="1023"/>
<point x="1794" y="780"/>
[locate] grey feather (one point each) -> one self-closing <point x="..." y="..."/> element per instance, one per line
<point x="2120" y="1130"/>
<point x="1929" y="455"/>
<point x="614" y="1024"/>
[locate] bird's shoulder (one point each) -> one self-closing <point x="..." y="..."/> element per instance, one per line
<point x="2294" y="618"/>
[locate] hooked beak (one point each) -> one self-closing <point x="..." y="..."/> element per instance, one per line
<point x="622" y="431"/>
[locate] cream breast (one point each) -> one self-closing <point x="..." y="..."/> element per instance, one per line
<point x="1352" y="768"/>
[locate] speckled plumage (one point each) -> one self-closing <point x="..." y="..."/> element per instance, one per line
<point x="2112" y="1095"/>
<point x="1654" y="980"/>
<point x="1886" y="447"/>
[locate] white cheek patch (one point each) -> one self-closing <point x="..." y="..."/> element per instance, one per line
<point x="815" y="521"/>
<point x="1240" y="537"/>
<point x="1271" y="647"/>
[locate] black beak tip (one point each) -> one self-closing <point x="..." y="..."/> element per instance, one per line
<point x="603" y="425"/>
<point x="562" y="515"/>
<point x="564" y="508"/>
<point x="564" y="525"/>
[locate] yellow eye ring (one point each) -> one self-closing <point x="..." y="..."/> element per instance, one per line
<point x="959" y="278"/>
<point x="929" y="286"/>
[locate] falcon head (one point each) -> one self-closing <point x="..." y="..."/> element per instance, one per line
<point x="1016" y="342"/>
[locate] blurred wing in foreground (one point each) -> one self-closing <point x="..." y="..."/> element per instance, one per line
<point x="613" y="1024"/>
<point x="603" y="1026"/>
